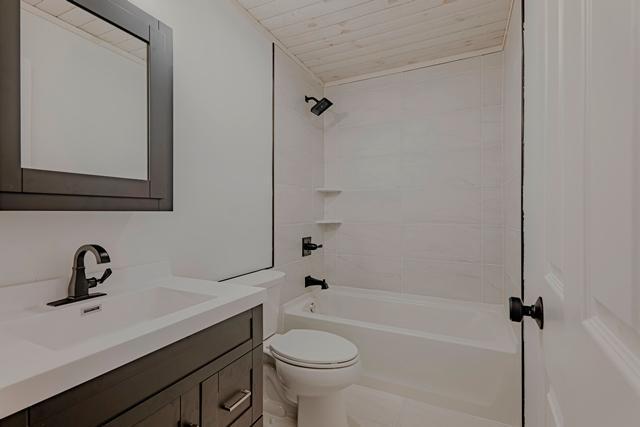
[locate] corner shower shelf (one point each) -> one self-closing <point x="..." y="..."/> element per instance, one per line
<point x="329" y="222"/>
<point x="329" y="190"/>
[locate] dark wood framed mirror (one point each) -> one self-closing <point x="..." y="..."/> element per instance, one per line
<point x="86" y="107"/>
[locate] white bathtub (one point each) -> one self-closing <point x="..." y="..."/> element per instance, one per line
<point x="460" y="355"/>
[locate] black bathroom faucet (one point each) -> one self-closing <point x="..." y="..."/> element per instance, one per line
<point x="79" y="285"/>
<point x="310" y="281"/>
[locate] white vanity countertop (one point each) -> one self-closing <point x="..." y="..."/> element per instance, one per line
<point x="35" y="366"/>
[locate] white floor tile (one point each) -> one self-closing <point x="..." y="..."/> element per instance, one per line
<point x="372" y="408"/>
<point x="273" y="421"/>
<point x="367" y="407"/>
<point x="418" y="414"/>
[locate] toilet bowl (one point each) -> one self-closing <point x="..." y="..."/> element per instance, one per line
<point x="315" y="367"/>
<point x="312" y="368"/>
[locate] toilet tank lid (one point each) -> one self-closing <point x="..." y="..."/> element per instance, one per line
<point x="262" y="279"/>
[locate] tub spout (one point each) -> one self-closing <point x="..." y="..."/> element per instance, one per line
<point x="310" y="281"/>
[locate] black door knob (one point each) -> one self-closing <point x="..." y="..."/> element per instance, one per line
<point x="517" y="311"/>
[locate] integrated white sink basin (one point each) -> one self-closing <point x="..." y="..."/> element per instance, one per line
<point x="47" y="350"/>
<point x="92" y="319"/>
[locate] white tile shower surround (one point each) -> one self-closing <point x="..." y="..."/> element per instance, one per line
<point x="418" y="156"/>
<point x="367" y="407"/>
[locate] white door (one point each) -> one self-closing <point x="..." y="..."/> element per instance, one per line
<point x="582" y="212"/>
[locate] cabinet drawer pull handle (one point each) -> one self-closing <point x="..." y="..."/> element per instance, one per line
<point x="238" y="399"/>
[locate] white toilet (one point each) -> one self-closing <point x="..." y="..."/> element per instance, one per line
<point x="312" y="367"/>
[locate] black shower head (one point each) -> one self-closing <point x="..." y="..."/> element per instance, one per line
<point x="321" y="106"/>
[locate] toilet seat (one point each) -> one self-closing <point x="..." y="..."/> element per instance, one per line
<point x="313" y="349"/>
<point x="315" y="365"/>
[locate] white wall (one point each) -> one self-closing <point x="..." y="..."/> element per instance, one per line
<point x="222" y="72"/>
<point x="299" y="170"/>
<point x="513" y="152"/>
<point x="419" y="157"/>
<point x="222" y="220"/>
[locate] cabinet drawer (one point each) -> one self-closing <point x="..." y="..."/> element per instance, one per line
<point x="228" y="396"/>
<point x="235" y="396"/>
<point x="243" y="421"/>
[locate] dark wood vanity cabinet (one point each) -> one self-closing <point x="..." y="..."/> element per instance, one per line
<point x="210" y="379"/>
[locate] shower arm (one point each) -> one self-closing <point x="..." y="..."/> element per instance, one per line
<point x="311" y="98"/>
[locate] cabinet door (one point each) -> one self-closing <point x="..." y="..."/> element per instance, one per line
<point x="210" y="402"/>
<point x="190" y="408"/>
<point x="166" y="409"/>
<point x="167" y="416"/>
<point x="16" y="420"/>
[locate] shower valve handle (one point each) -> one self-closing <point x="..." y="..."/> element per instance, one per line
<point x="308" y="246"/>
<point x="311" y="246"/>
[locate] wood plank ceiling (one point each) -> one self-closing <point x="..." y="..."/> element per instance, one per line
<point x="341" y="39"/>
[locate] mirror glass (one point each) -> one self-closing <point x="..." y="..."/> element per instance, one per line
<point x="84" y="93"/>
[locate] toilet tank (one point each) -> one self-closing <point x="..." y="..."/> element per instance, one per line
<point x="271" y="280"/>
